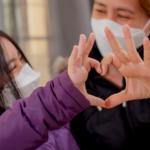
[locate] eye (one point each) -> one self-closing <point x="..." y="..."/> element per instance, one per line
<point x="124" y="17"/>
<point x="12" y="69"/>
<point x="101" y="11"/>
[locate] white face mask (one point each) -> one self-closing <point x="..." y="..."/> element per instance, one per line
<point x="27" y="81"/>
<point x="98" y="27"/>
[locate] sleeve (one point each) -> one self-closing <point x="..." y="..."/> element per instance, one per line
<point x="26" y="124"/>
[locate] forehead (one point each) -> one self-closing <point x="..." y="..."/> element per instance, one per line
<point x="114" y="4"/>
<point x="10" y="51"/>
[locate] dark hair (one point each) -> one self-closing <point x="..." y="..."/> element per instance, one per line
<point x="5" y="74"/>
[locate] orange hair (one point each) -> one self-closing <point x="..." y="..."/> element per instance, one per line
<point x="145" y="6"/>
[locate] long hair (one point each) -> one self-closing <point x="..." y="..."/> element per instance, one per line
<point x="5" y="74"/>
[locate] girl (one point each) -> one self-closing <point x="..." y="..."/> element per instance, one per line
<point x="26" y="124"/>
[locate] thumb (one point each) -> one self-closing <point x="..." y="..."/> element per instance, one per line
<point x="95" y="101"/>
<point x="116" y="99"/>
<point x="94" y="64"/>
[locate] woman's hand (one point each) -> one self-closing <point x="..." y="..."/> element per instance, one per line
<point x="131" y="66"/>
<point x="79" y="66"/>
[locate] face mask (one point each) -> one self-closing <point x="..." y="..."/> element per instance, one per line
<point x="98" y="27"/>
<point x="27" y="81"/>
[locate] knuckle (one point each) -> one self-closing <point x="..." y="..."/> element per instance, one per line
<point x="131" y="52"/>
<point x="109" y="54"/>
<point x="147" y="57"/>
<point x="117" y="53"/>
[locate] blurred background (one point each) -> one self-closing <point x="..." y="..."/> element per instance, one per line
<point x="45" y="29"/>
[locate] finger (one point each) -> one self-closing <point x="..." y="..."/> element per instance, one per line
<point x="116" y="99"/>
<point x="146" y="52"/>
<point x="81" y="45"/>
<point x="92" y="63"/>
<point x="73" y="59"/>
<point x="79" y="62"/>
<point x="95" y="101"/>
<point x="109" y="59"/>
<point x="88" y="48"/>
<point x="118" y="51"/>
<point x="131" y="50"/>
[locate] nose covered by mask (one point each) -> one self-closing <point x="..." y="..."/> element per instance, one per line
<point x="98" y="27"/>
<point x="27" y="81"/>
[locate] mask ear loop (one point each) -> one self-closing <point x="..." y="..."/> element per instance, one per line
<point x="148" y="22"/>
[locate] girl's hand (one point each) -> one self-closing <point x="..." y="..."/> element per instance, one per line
<point x="79" y="66"/>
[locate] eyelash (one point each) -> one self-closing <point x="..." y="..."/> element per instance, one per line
<point x="12" y="69"/>
<point x="15" y="66"/>
<point x="101" y="11"/>
<point x="123" y="17"/>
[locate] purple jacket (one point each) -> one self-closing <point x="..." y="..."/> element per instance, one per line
<point x="25" y="126"/>
<point x="61" y="139"/>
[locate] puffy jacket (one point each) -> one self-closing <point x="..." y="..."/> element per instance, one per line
<point x="25" y="126"/>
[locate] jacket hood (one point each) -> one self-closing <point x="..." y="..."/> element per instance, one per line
<point x="60" y="65"/>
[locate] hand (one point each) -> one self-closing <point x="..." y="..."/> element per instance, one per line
<point x="79" y="66"/>
<point x="131" y="66"/>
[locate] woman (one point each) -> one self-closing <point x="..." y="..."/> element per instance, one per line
<point x="29" y="129"/>
<point x="125" y="126"/>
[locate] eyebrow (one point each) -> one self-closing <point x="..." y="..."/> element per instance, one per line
<point x="101" y="4"/>
<point x="12" y="60"/>
<point x="117" y="9"/>
<point x="125" y="9"/>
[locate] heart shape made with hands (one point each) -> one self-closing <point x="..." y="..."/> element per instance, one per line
<point x="131" y="66"/>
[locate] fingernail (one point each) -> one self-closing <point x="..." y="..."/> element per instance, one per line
<point x="107" y="103"/>
<point x="109" y="34"/>
<point x="93" y="34"/>
<point x="106" y="28"/>
<point x="127" y="33"/>
<point x="99" y="70"/>
<point x="126" y="28"/>
<point x="103" y="70"/>
<point x="92" y="37"/>
<point x="147" y="40"/>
